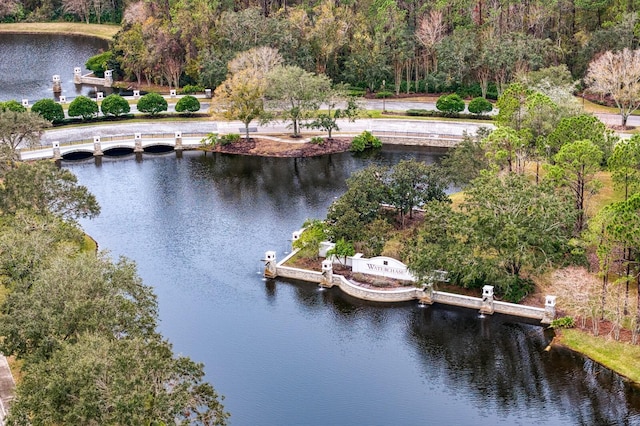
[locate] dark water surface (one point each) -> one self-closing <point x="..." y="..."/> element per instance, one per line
<point x="287" y="353"/>
<point x="28" y="63"/>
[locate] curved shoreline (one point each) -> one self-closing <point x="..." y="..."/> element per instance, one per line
<point x="101" y="31"/>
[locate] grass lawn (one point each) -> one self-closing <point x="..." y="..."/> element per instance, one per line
<point x="623" y="358"/>
<point x="101" y="31"/>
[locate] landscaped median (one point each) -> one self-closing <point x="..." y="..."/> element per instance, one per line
<point x="623" y="358"/>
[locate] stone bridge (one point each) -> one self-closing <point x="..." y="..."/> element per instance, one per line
<point x="98" y="146"/>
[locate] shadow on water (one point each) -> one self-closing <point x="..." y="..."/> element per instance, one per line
<point x="505" y="361"/>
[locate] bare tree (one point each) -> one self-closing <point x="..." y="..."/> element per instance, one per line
<point x="9" y="7"/>
<point x="259" y="60"/>
<point x="82" y="8"/>
<point x="617" y="75"/>
<point x="430" y="31"/>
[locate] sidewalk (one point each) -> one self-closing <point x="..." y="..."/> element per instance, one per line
<point x="7" y="388"/>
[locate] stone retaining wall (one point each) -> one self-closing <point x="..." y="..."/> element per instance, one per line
<point x="418" y="141"/>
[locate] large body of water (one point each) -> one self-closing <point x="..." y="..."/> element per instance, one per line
<point x="288" y="353"/>
<point x="28" y="63"/>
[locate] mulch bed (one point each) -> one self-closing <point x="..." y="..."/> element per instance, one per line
<point x="270" y="148"/>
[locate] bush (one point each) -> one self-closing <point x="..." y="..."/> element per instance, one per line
<point x="384" y="95"/>
<point x="188" y="104"/>
<point x="152" y="103"/>
<point x="564" y="322"/>
<point x="12" y="105"/>
<point x="480" y="106"/>
<point x="49" y="110"/>
<point x="228" y="139"/>
<point x="450" y="104"/>
<point x="318" y="140"/>
<point x="420" y="113"/>
<point x="115" y="105"/>
<point x="190" y="89"/>
<point x="99" y="63"/>
<point x="363" y="141"/>
<point x="83" y="107"/>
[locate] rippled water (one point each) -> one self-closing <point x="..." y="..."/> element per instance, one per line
<point x="287" y="353"/>
<point x="28" y="63"/>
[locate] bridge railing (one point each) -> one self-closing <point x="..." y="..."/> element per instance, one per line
<point x="118" y="138"/>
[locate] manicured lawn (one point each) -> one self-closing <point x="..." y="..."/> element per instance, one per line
<point x="623" y="358"/>
<point x="101" y="31"/>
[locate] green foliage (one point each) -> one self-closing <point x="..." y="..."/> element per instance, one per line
<point x="314" y="233"/>
<point x="44" y="189"/>
<point x="383" y="94"/>
<point x="210" y="140"/>
<point x="296" y="93"/>
<point x="480" y="106"/>
<point x="364" y="141"/>
<point x="83" y="107"/>
<point x="342" y="249"/>
<point x="12" y="105"/>
<point x="152" y="104"/>
<point x="564" y="322"/>
<point x="581" y="127"/>
<point x="191" y="89"/>
<point x="49" y="110"/>
<point x="463" y="163"/>
<point x="317" y="140"/>
<point x="17" y="130"/>
<point x="99" y="63"/>
<point x="188" y="104"/>
<point x="228" y="139"/>
<point x="624" y="164"/>
<point x="450" y="104"/>
<point x="115" y="105"/>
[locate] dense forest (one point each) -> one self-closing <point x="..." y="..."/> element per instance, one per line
<point x="471" y="46"/>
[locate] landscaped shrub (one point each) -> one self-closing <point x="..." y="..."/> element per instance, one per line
<point x="384" y="94"/>
<point x="12" y="105"/>
<point x="228" y="139"/>
<point x="363" y="141"/>
<point x="99" y="63"/>
<point x="480" y="106"/>
<point x="49" y="110"/>
<point x="450" y="104"/>
<point x="83" y="107"/>
<point x="188" y="104"/>
<point x="318" y="140"/>
<point x="115" y="105"/>
<point x="152" y="103"/>
<point x="564" y="322"/>
<point x="191" y="89"/>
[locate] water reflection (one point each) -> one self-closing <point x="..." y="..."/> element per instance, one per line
<point x="285" y="352"/>
<point x="29" y="61"/>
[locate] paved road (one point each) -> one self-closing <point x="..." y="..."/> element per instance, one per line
<point x="67" y="134"/>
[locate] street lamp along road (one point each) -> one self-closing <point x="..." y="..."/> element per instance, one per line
<point x="384" y="95"/>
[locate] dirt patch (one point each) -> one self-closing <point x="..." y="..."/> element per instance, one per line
<point x="272" y="148"/>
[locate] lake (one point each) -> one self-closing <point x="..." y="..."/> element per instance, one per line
<point x="287" y="353"/>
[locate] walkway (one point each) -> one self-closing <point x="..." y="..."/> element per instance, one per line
<point x="7" y="387"/>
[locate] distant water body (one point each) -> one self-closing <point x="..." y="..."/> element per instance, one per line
<point x="28" y="63"/>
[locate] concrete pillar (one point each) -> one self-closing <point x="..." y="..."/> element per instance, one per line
<point x="77" y="75"/>
<point x="136" y="94"/>
<point x="137" y="139"/>
<point x="25" y="103"/>
<point x="207" y="93"/>
<point x="178" y="146"/>
<point x="97" y="146"/>
<point x="108" y="78"/>
<point x="99" y="96"/>
<point x="270" y="270"/>
<point x="487" y="300"/>
<point x="56" y="150"/>
<point x="427" y="294"/>
<point x="63" y="99"/>
<point x="549" y="309"/>
<point x="172" y="93"/>
<point x="57" y="85"/>
<point x="295" y="236"/>
<point x="327" y="273"/>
